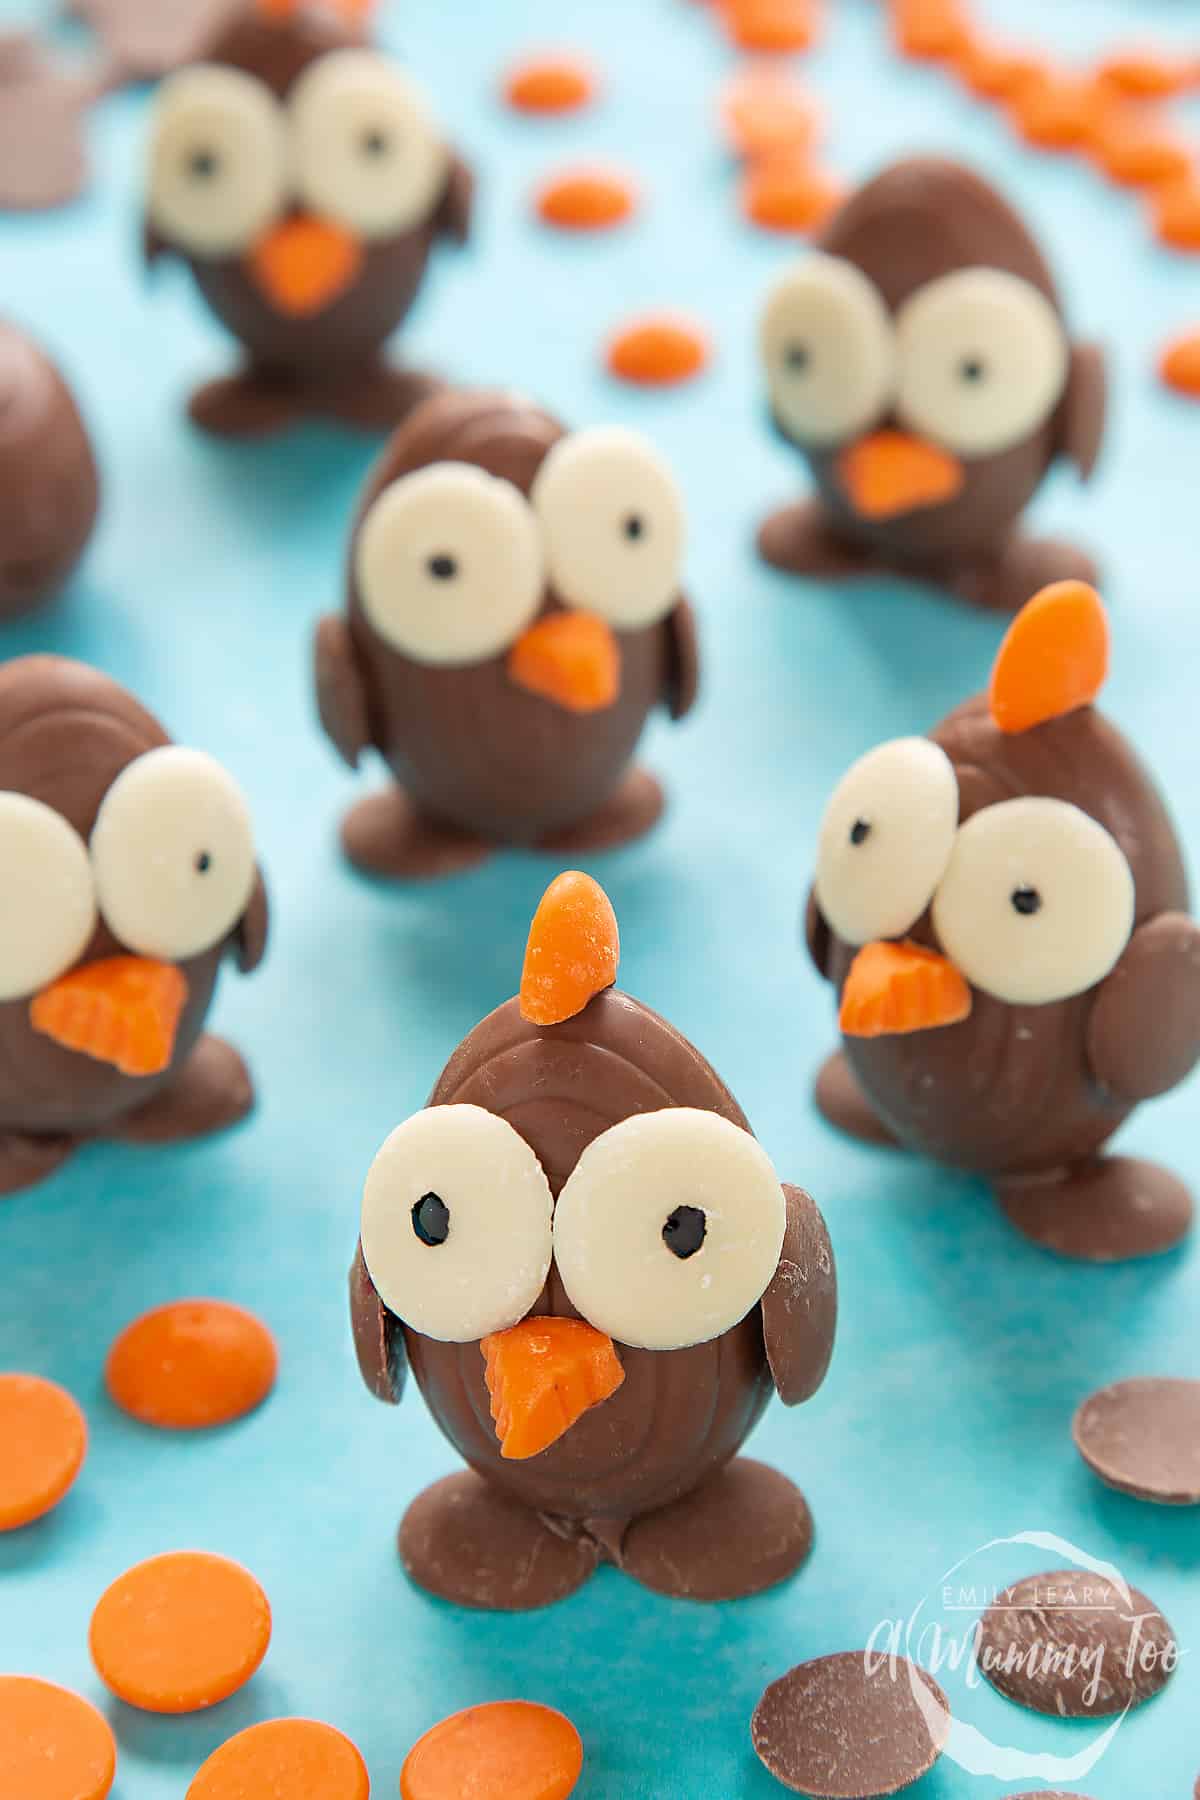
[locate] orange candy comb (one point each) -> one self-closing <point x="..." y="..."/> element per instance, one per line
<point x="896" y="988"/>
<point x="573" y="950"/>
<point x="543" y="1375"/>
<point x="122" y="1010"/>
<point x="1054" y="658"/>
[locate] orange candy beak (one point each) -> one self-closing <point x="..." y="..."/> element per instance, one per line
<point x="891" y="473"/>
<point x="304" y="264"/>
<point x="123" y="1010"/>
<point x="896" y="988"/>
<point x="543" y="1375"/>
<point x="571" y="658"/>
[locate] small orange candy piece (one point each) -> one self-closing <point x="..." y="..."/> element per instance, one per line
<point x="763" y="110"/>
<point x="1054" y="657"/>
<point x="43" y="1435"/>
<point x="785" y="192"/>
<point x="285" y="1759"/>
<point x="991" y="71"/>
<point x="191" y="1365"/>
<point x="1059" y="112"/>
<point x="773" y="26"/>
<point x="893" y="989"/>
<point x="1146" y="75"/>
<point x="53" y="1744"/>
<point x="550" y="84"/>
<point x="1180" y="365"/>
<point x="511" y="1750"/>
<point x="934" y="30"/>
<point x="123" y="1010"/>
<point x="181" y="1632"/>
<point x="573" y="951"/>
<point x="543" y="1375"/>
<point x="1176" y="212"/>
<point x="658" y="351"/>
<point x="586" y="200"/>
<point x="1138" y="149"/>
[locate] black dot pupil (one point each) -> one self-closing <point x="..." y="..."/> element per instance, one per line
<point x="634" y="527"/>
<point x="203" y="164"/>
<point x="1027" y="901"/>
<point x="972" y="368"/>
<point x="860" y="831"/>
<point x="684" y="1231"/>
<point x="431" y="1220"/>
<point x="798" y="357"/>
<point x="376" y="142"/>
<point x="203" y="863"/>
<point x="443" y="568"/>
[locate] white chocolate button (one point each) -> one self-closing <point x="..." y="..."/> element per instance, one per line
<point x="449" y="565"/>
<point x="463" y="1177"/>
<point x="367" y="151"/>
<point x="827" y="347"/>
<point x="885" y="839"/>
<point x="218" y="160"/>
<point x="1037" y="903"/>
<point x="47" y="901"/>
<point x="173" y="854"/>
<point x="982" y="358"/>
<point x="613" y="524"/>
<point x="701" y="1181"/>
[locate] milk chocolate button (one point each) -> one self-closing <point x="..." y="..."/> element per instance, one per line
<point x="1143" y="1438"/>
<point x="851" y="1726"/>
<point x="1076" y="1646"/>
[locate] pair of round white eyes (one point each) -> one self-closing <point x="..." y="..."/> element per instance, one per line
<point x="451" y="563"/>
<point x="1032" y="899"/>
<point x="171" y="868"/>
<point x="976" y="360"/>
<point x="356" y="142"/>
<point x="666" y="1233"/>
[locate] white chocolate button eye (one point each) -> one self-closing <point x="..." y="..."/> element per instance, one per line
<point x="449" y="565"/>
<point x="983" y="361"/>
<point x="827" y="346"/>
<point x="173" y="853"/>
<point x="613" y="523"/>
<point x="885" y="839"/>
<point x="367" y="150"/>
<point x="218" y="160"/>
<point x="47" y="901"/>
<point x="456" y="1224"/>
<point x="669" y="1228"/>
<point x="1037" y="903"/>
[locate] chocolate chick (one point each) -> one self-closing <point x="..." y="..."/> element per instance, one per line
<point x="513" y="616"/>
<point x="49" y="486"/>
<point x="303" y="179"/>
<point x="1003" y="910"/>
<point x="129" y="874"/>
<point x="920" y="361"/>
<point x="598" y="1281"/>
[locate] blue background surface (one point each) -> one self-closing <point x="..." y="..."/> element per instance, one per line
<point x="963" y="1352"/>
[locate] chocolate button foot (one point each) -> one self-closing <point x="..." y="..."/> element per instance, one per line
<point x="747" y="1529"/>
<point x="1112" y="1209"/>
<point x="630" y="813"/>
<point x="212" y="1092"/>
<point x="24" y="1161"/>
<point x="245" y="406"/>
<point x="1004" y="583"/>
<point x="842" y="1104"/>
<point x="385" y="835"/>
<point x="464" y="1541"/>
<point x="797" y="539"/>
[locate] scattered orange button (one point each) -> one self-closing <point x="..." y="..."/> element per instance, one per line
<point x="657" y="351"/>
<point x="1176" y="211"/>
<point x="1136" y="148"/>
<point x="180" y="1632"/>
<point x="191" y="1365"/>
<point x="1059" y="112"/>
<point x="1146" y="75"/>
<point x="992" y="71"/>
<point x="586" y="200"/>
<point x="930" y="29"/>
<point x="1180" y="365"/>
<point x="285" y="1759"/>
<point x="784" y="192"/>
<point x="774" y="26"/>
<point x="511" y="1750"/>
<point x="763" y="110"/>
<point x="44" y="1435"/>
<point x="550" y="84"/>
<point x="53" y="1745"/>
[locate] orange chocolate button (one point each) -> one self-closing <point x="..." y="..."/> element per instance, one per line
<point x="53" y="1745"/>
<point x="44" y="1438"/>
<point x="511" y="1750"/>
<point x="191" y="1365"/>
<point x="285" y="1759"/>
<point x="180" y="1632"/>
